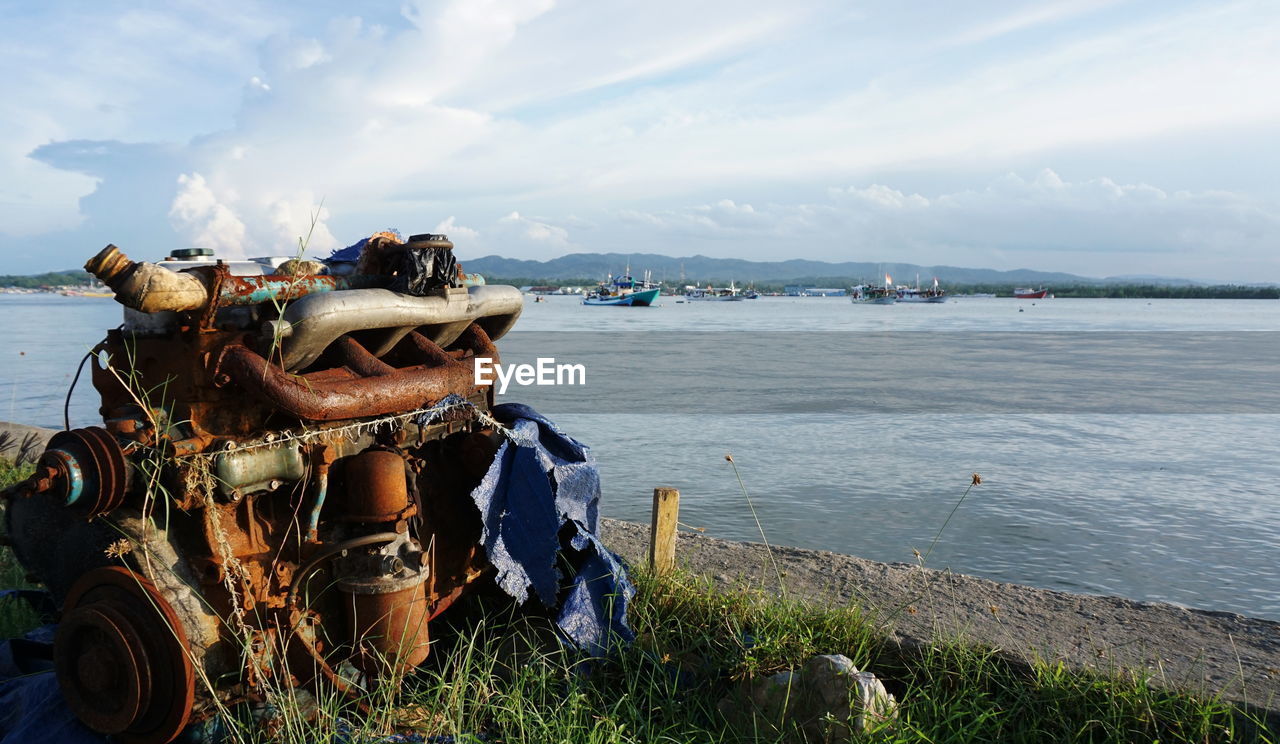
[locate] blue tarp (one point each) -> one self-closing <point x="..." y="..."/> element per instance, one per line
<point x="32" y="708"/>
<point x="542" y="488"/>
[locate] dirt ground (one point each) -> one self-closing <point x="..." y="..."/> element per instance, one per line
<point x="1218" y="652"/>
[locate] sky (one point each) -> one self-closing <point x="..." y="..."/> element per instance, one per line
<point x="1099" y="137"/>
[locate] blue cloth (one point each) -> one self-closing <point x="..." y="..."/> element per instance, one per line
<point x="543" y="486"/>
<point x="32" y="709"/>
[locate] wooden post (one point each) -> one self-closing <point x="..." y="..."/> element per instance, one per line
<point x="662" y="530"/>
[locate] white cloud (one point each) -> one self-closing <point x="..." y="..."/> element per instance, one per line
<point x="34" y="197"/>
<point x="198" y="215"/>
<point x="1021" y="20"/>
<point x="538" y="231"/>
<point x="459" y="234"/>
<point x="483" y="109"/>
<point x="1093" y="227"/>
<point x="300" y="220"/>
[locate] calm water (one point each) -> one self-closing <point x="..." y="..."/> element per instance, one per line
<point x="1182" y="508"/>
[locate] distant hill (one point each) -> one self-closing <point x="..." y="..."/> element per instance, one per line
<point x="70" y="277"/>
<point x="704" y="268"/>
<point x="1150" y="279"/>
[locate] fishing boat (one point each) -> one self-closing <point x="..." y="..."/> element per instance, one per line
<point x="916" y="294"/>
<point x="1024" y="293"/>
<point x="710" y="293"/>
<point x="869" y="294"/>
<point x="624" y="291"/>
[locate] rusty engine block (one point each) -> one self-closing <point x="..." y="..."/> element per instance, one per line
<point x="278" y="497"/>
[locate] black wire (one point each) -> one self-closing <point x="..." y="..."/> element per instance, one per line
<point x="66" y="405"/>
<point x="328" y="551"/>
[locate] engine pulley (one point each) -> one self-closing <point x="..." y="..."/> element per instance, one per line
<point x="122" y="658"/>
<point x="89" y="469"/>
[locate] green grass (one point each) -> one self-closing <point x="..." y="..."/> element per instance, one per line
<point x="16" y="617"/>
<point x="697" y="644"/>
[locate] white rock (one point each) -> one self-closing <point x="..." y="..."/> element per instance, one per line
<point x="829" y="698"/>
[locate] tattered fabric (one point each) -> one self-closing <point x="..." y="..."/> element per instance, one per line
<point x="542" y="488"/>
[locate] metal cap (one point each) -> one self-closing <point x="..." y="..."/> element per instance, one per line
<point x="190" y="253"/>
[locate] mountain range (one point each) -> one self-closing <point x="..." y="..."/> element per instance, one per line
<point x="699" y="269"/>
<point x="703" y="269"/>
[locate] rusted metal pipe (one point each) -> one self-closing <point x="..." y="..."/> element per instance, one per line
<point x="255" y="290"/>
<point x="473" y="343"/>
<point x="428" y="351"/>
<point x="359" y="359"/>
<point x="322" y="456"/>
<point x="328" y="399"/>
<point x="146" y="286"/>
<point x="476" y="340"/>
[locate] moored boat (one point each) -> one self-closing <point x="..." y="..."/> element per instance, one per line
<point x="624" y="291"/>
<point x="914" y="294"/>
<point x="1026" y="293"/>
<point x="710" y="293"/>
<point x="869" y="294"/>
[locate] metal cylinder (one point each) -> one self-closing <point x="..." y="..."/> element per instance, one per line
<point x="389" y="629"/>
<point x="377" y="489"/>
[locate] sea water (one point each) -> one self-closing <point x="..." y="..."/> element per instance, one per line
<point x="1172" y="501"/>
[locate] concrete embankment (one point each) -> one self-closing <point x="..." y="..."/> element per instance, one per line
<point x="1195" y="650"/>
<point x="21" y="434"/>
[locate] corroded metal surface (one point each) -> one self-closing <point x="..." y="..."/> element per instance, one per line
<point x="259" y="509"/>
<point x="122" y="657"/>
<point x="377" y="489"/>
<point x="332" y="395"/>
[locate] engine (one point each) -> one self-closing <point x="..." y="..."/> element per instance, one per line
<point x="278" y="496"/>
